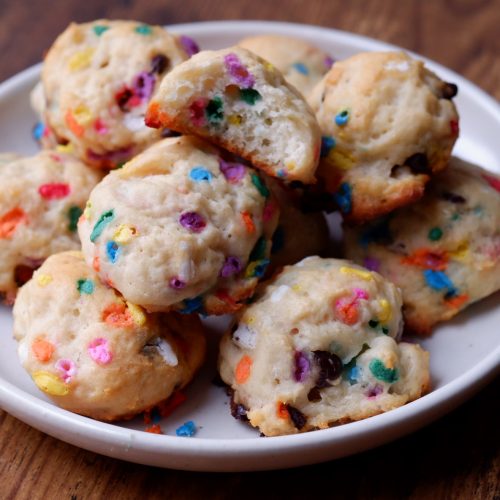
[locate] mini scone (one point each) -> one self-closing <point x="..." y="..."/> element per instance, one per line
<point x="97" y="79"/>
<point x="317" y="347"/>
<point x="388" y="125"/>
<point x="239" y="101"/>
<point x="94" y="353"/>
<point x="178" y="227"/>
<point x="301" y="63"/>
<point x="41" y="199"/>
<point x="443" y="251"/>
<point x="299" y="234"/>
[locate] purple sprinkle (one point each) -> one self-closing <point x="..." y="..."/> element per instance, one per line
<point x="328" y="61"/>
<point x="302" y="366"/>
<point x="192" y="221"/>
<point x="190" y="46"/>
<point x="373" y="392"/>
<point x="239" y="73"/>
<point x="176" y="283"/>
<point x="232" y="265"/>
<point x="371" y="263"/>
<point x="143" y="85"/>
<point x="233" y="172"/>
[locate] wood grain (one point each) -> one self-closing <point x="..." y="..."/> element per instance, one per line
<point x="455" y="458"/>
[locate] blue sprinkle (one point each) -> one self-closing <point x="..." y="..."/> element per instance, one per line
<point x="38" y="130"/>
<point x="301" y="68"/>
<point x="278" y="240"/>
<point x="343" y="198"/>
<point x="438" y="280"/>
<point x="199" y="174"/>
<point x="113" y="251"/>
<point x="260" y="268"/>
<point x="85" y="286"/>
<point x="282" y="173"/>
<point x="327" y="144"/>
<point x="192" y="305"/>
<point x="188" y="429"/>
<point x="354" y="374"/>
<point x="342" y="117"/>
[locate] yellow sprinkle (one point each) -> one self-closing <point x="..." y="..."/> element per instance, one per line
<point x="296" y="288"/>
<point x="364" y="275"/>
<point x="341" y="159"/>
<point x="80" y="60"/>
<point x="249" y="271"/>
<point x="290" y="166"/>
<point x="234" y="119"/>
<point x="124" y="234"/>
<point x="82" y="115"/>
<point x="269" y="66"/>
<point x="65" y="148"/>
<point x="386" y="312"/>
<point x="137" y="314"/>
<point x="50" y="383"/>
<point x="87" y="212"/>
<point x="461" y="253"/>
<point x="44" y="279"/>
<point x="250" y="320"/>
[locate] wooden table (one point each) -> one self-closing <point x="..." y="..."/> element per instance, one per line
<point x="457" y="457"/>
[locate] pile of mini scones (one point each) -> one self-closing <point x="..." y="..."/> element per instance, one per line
<point x="173" y="183"/>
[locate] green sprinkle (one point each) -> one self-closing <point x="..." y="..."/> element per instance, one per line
<point x="385" y="330"/>
<point x="455" y="216"/>
<point x="85" y="286"/>
<point x="250" y="96"/>
<point x="373" y="323"/>
<point x="103" y="221"/>
<point x="143" y="29"/>
<point x="99" y="29"/>
<point x="380" y="372"/>
<point x="435" y="234"/>
<point x="261" y="187"/>
<point x="214" y="110"/>
<point x="259" y="250"/>
<point x="74" y="213"/>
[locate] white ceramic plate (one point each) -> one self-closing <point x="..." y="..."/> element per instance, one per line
<point x="465" y="353"/>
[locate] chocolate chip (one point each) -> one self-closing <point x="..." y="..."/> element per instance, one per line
<point x="418" y="163"/>
<point x="298" y="418"/>
<point x="159" y="64"/>
<point x="330" y="367"/>
<point x="123" y="97"/>
<point x="314" y="395"/>
<point x="452" y="197"/>
<point x="449" y="90"/>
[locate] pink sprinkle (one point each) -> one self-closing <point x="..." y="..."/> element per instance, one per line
<point x="54" y="191"/>
<point x="67" y="369"/>
<point x="197" y="112"/>
<point x="269" y="211"/>
<point x="239" y="73"/>
<point x="492" y="181"/>
<point x="233" y="172"/>
<point x="360" y="293"/>
<point x="99" y="352"/>
<point x="100" y="127"/>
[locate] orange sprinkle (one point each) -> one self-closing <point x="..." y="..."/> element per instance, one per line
<point x="156" y="118"/>
<point x="428" y="259"/>
<point x="347" y="311"/>
<point x="225" y="297"/>
<point x="167" y="407"/>
<point x="96" y="264"/>
<point x="243" y="369"/>
<point x="73" y="125"/>
<point x="457" y="302"/>
<point x="154" y="429"/>
<point x="282" y="411"/>
<point x="117" y="315"/>
<point x="10" y="220"/>
<point x="247" y="219"/>
<point x="43" y="350"/>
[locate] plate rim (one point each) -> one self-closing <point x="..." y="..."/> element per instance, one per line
<point x="409" y="417"/>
